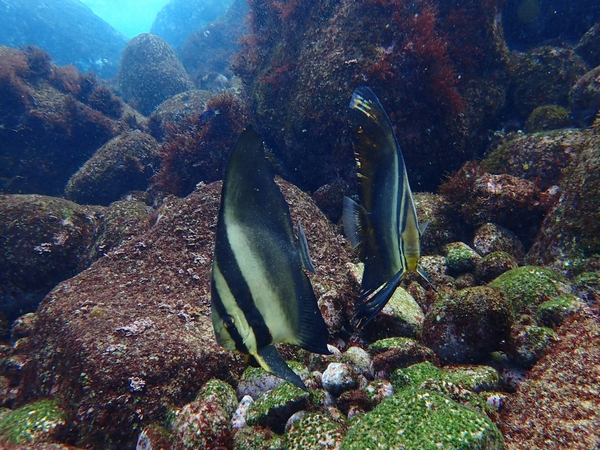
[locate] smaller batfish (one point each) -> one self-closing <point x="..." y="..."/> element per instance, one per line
<point x="260" y="293"/>
<point x="384" y="226"/>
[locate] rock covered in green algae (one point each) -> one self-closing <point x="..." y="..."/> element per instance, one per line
<point x="42" y="421"/>
<point x="460" y="257"/>
<point x="257" y="438"/>
<point x="123" y="164"/>
<point x="553" y="312"/>
<point x="467" y="325"/>
<point x="528" y="342"/>
<point x="547" y="117"/>
<point x="528" y="286"/>
<point x="493" y="265"/>
<point x="398" y="352"/>
<point x="206" y="422"/>
<point x="314" y="432"/>
<point x="275" y="407"/>
<point x="423" y="420"/>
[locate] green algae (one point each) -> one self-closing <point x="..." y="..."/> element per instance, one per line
<point x="460" y="257"/>
<point x="314" y="432"/>
<point x="528" y="286"/>
<point x="393" y="343"/>
<point x="422" y="420"/>
<point x="553" y="312"/>
<point x="256" y="438"/>
<point x="277" y="405"/>
<point x="547" y="117"/>
<point x="32" y="423"/>
<point x="221" y="393"/>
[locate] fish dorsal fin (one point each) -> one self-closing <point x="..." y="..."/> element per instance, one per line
<point x="270" y="359"/>
<point x="311" y="332"/>
<point x="354" y="219"/>
<point x="303" y="249"/>
<point x="369" y="303"/>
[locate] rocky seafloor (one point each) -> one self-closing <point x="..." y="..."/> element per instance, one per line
<point x="107" y="225"/>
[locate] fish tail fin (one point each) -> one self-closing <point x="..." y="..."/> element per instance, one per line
<point x="270" y="360"/>
<point x="369" y="303"/>
<point x="304" y="253"/>
<point x="354" y="218"/>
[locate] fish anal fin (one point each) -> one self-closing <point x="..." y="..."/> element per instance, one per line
<point x="370" y="303"/>
<point x="354" y="219"/>
<point x="270" y="360"/>
<point x="303" y="249"/>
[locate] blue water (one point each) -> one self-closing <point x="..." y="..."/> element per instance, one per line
<point x="130" y="17"/>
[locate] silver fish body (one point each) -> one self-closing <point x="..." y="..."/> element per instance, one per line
<point x="260" y="294"/>
<point x="384" y="226"/>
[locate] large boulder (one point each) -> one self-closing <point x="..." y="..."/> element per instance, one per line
<point x="150" y="73"/>
<point x="136" y="325"/>
<point x="67" y="29"/>
<point x="123" y="164"/>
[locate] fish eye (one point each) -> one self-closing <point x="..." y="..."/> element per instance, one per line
<point x="228" y="321"/>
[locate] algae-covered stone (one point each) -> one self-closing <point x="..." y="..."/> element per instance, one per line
<point x="35" y="423"/>
<point x="257" y="438"/>
<point x="402" y="316"/>
<point x="529" y="286"/>
<point x="553" y="312"/>
<point x="206" y="422"/>
<point x="338" y="378"/>
<point x="468" y="324"/>
<point x="275" y="407"/>
<point x="393" y="353"/>
<point x="528" y="343"/>
<point x="358" y="359"/>
<point x="460" y="257"/>
<point x="472" y="377"/>
<point x="422" y="420"/>
<point x="493" y="265"/>
<point x="547" y="117"/>
<point x="314" y="431"/>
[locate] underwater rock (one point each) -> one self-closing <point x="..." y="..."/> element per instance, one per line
<point x="461" y="258"/>
<point x="528" y="286"/>
<point x="123" y="164"/>
<point x="180" y="18"/>
<point x="67" y="29"/>
<point x="570" y="234"/>
<point x="443" y="227"/>
<point x="541" y="157"/>
<point x="467" y="325"/>
<point x="338" y="378"/>
<point x="52" y="119"/>
<point x="277" y="405"/>
<point x="398" y="352"/>
<point x="415" y="419"/>
<point x="584" y="97"/>
<point x="302" y="60"/>
<point x="208" y="51"/>
<point x="314" y="432"/>
<point x="257" y="438"/>
<point x="527" y="342"/>
<point x="561" y="392"/>
<point x="45" y="239"/>
<point x="150" y="73"/>
<point x="554" y="312"/>
<point x="547" y="117"/>
<point x="206" y="422"/>
<point x="330" y="198"/>
<point x="543" y="76"/>
<point x="137" y="323"/>
<point x="588" y="46"/>
<point x="36" y="423"/>
<point x="490" y="238"/>
<point x="493" y="265"/>
<point x="175" y="110"/>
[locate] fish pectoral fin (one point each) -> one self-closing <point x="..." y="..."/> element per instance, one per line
<point x="370" y="303"/>
<point x="303" y="248"/>
<point x="424" y="276"/>
<point x="270" y="360"/>
<point x="354" y="219"/>
<point x="422" y="228"/>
